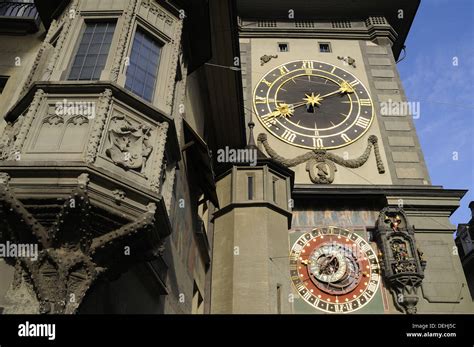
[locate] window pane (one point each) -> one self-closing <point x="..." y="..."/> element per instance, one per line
<point x="143" y="69"/>
<point x="92" y="52"/>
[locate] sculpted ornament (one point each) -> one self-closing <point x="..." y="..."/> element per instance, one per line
<point x="402" y="262"/>
<point x="129" y="145"/>
<point x="320" y="163"/>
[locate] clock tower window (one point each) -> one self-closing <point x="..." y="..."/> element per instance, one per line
<point x="324" y="47"/>
<point x="283" y="47"/>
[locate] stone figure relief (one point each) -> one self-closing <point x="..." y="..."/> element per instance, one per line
<point x="129" y="145"/>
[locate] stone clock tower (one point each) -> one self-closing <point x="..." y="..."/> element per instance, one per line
<point x="369" y="233"/>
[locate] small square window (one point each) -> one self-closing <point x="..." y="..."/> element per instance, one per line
<point x="283" y="47"/>
<point x="3" y="82"/>
<point x="325" y="47"/>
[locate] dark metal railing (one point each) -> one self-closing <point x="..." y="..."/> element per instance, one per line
<point x="18" y="9"/>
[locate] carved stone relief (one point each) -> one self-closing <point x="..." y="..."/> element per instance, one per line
<point x="70" y="256"/>
<point x="402" y="262"/>
<point x="128" y="145"/>
<point x="320" y="163"/>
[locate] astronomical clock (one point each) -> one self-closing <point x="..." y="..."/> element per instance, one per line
<point x="321" y="107"/>
<point x="334" y="270"/>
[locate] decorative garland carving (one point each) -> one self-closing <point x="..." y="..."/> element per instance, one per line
<point x="128" y="17"/>
<point x="70" y="256"/>
<point x="320" y="163"/>
<point x="103" y="107"/>
<point x="402" y="262"/>
<point x="158" y="159"/>
<point x="25" y="125"/>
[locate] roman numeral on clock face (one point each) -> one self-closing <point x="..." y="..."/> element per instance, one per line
<point x="307" y="64"/>
<point x="268" y="119"/>
<point x="289" y="136"/>
<point x="283" y="70"/>
<point x="363" y="122"/>
<point x="345" y="138"/>
<point x="260" y="100"/>
<point x="318" y="143"/>
<point x="365" y="102"/>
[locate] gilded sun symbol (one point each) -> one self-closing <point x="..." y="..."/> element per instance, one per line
<point x="285" y="110"/>
<point x="313" y="100"/>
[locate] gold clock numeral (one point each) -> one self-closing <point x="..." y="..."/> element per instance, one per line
<point x="269" y="119"/>
<point x="318" y="143"/>
<point x="363" y="122"/>
<point x="283" y="70"/>
<point x="289" y="136"/>
<point x="365" y="102"/>
<point x="266" y="82"/>
<point x="307" y="64"/>
<point x="354" y="83"/>
<point x="345" y="138"/>
<point x="260" y="100"/>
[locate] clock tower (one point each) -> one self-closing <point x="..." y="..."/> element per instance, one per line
<point x="369" y="232"/>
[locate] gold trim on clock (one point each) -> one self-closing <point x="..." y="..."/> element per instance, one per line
<point x="267" y="105"/>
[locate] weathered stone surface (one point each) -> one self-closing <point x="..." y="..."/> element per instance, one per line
<point x="376" y="50"/>
<point x="405" y="157"/>
<point x="380" y="61"/>
<point x="386" y="85"/>
<point x="401" y="141"/>
<point x="397" y="125"/>
<point x="382" y="73"/>
<point x="410" y="172"/>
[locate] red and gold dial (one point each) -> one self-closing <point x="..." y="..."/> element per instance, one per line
<point x="334" y="269"/>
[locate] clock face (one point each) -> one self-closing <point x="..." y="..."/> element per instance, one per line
<point x="334" y="270"/>
<point x="312" y="104"/>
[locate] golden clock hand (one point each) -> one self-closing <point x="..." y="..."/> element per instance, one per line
<point x="344" y="87"/>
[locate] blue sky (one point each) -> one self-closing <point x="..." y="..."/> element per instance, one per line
<point x="442" y="31"/>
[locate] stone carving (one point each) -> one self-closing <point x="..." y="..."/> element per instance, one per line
<point x="44" y="46"/>
<point x="401" y="261"/>
<point x="103" y="107"/>
<point x="67" y="19"/>
<point x="119" y="196"/>
<point x="266" y="58"/>
<point x="128" y="17"/>
<point x="129" y="145"/>
<point x="25" y="125"/>
<point x="151" y="6"/>
<point x="9" y="136"/>
<point x="348" y="60"/>
<point x="173" y="64"/>
<point x="70" y="256"/>
<point x="320" y="162"/>
<point x="156" y="175"/>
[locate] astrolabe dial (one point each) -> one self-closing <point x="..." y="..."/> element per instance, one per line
<point x="334" y="269"/>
